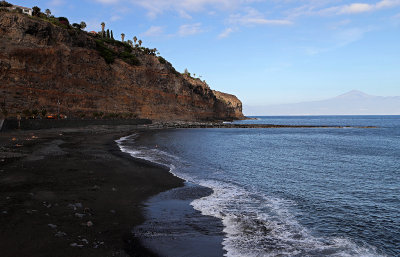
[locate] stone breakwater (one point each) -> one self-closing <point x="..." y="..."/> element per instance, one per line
<point x="184" y="125"/>
<point x="13" y="124"/>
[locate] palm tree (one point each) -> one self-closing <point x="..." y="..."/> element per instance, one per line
<point x="47" y="12"/>
<point x="140" y="42"/>
<point x="122" y="37"/>
<point x="103" y="25"/>
<point x="130" y="43"/>
<point x="134" y="39"/>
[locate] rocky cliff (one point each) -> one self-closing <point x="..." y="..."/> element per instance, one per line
<point x="53" y="69"/>
<point x="231" y="105"/>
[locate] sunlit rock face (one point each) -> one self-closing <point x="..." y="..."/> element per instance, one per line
<point x="59" y="70"/>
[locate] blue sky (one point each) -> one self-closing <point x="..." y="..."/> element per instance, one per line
<point x="265" y="52"/>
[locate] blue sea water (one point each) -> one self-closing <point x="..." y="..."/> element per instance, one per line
<point x="292" y="191"/>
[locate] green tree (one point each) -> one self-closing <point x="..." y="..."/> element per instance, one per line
<point x="76" y="25"/>
<point x="108" y="33"/>
<point x="47" y="12"/>
<point x="63" y="21"/>
<point x="140" y="42"/>
<point x="83" y="25"/>
<point x="122" y="37"/>
<point x="112" y="35"/>
<point x="36" y="11"/>
<point x="130" y="43"/>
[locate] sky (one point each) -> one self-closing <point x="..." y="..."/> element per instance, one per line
<point x="263" y="51"/>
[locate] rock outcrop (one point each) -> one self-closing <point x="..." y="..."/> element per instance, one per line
<point x="51" y="69"/>
<point x="231" y="105"/>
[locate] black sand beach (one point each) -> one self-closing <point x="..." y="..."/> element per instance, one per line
<point x="71" y="192"/>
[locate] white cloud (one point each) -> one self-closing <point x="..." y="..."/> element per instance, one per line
<point x="182" y="7"/>
<point x="254" y="17"/>
<point x="387" y="3"/>
<point x="189" y="29"/>
<point x="156" y="7"/>
<point x="309" y="8"/>
<point x="226" y="33"/>
<point x="250" y="17"/>
<point x="328" y="8"/>
<point x="153" y="31"/>
<point x="356" y="8"/>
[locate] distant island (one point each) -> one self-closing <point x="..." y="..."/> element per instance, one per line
<point x="351" y="103"/>
<point x="50" y="68"/>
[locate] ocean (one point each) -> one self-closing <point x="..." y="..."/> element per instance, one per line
<point x="284" y="191"/>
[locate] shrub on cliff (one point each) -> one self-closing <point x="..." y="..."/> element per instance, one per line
<point x="108" y="54"/>
<point x="129" y="58"/>
<point x="79" y="26"/>
<point x="76" y="25"/>
<point x="63" y="20"/>
<point x="162" y="60"/>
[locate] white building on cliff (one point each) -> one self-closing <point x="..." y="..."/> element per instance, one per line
<point x="25" y="10"/>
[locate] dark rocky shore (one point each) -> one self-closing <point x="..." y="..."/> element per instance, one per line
<point x="71" y="192"/>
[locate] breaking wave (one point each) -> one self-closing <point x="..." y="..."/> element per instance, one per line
<point x="254" y="223"/>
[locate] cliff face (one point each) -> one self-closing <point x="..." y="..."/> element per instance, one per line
<point x="231" y="105"/>
<point x="47" y="67"/>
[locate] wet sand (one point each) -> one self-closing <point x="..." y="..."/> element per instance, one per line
<point x="173" y="228"/>
<point x="71" y="192"/>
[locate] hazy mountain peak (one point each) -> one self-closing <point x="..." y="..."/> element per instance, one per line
<point x="354" y="102"/>
<point x="353" y="94"/>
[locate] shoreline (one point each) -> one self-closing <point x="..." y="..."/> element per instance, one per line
<point x="72" y="192"/>
<point x="172" y="226"/>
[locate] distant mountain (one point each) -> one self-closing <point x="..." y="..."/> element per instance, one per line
<point x="351" y="103"/>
